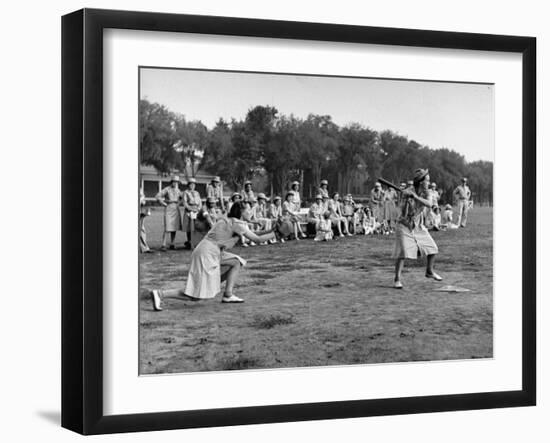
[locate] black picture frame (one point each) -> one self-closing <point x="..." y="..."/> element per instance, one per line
<point x="82" y="215"/>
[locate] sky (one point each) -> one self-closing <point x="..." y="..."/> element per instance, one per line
<point x="457" y="116"/>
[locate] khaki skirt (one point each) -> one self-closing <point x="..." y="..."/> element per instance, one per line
<point x="410" y="243"/>
<point x="172" y="218"/>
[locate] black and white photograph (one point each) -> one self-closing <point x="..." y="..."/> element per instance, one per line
<point x="293" y="221"/>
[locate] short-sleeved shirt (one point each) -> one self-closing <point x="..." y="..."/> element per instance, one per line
<point x="348" y="208"/>
<point x="214" y="191"/>
<point x="411" y="212"/>
<point x="390" y="195"/>
<point x="296" y="200"/>
<point x="275" y="211"/>
<point x="170" y="195"/>
<point x="224" y="230"/>
<point x="248" y="196"/>
<point x="323" y="192"/>
<point x="192" y="198"/>
<point x="260" y="211"/>
<point x="288" y="207"/>
<point x="376" y="196"/>
<point x="434" y="197"/>
<point x="463" y="192"/>
<point x="316" y="210"/>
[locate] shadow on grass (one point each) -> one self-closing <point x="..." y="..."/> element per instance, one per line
<point x="270" y="321"/>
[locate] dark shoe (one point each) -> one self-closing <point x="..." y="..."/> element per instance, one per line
<point x="172" y="248"/>
<point x="163" y="248"/>
<point x="434" y="276"/>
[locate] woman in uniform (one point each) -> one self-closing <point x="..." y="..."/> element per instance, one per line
<point x="214" y="190"/>
<point x="290" y="212"/>
<point x="211" y="264"/>
<point x="170" y="198"/>
<point x="411" y="236"/>
<point x="192" y="204"/>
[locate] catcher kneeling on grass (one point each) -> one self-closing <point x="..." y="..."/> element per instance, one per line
<point x="411" y="235"/>
<point x="211" y="264"/>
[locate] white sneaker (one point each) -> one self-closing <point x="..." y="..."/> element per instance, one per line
<point x="282" y="240"/>
<point x="155" y="298"/>
<point x="252" y="243"/>
<point x="232" y="299"/>
<point x="397" y="285"/>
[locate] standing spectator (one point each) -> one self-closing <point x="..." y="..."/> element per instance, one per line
<point x="390" y="208"/>
<point x="463" y="194"/>
<point x="323" y="189"/>
<point x="295" y="191"/>
<point x="376" y="201"/>
<point x="170" y="198"/>
<point x="248" y="193"/>
<point x="143" y="212"/>
<point x="214" y="190"/>
<point x="191" y="206"/>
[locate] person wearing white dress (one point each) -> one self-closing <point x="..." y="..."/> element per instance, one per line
<point x="211" y="264"/>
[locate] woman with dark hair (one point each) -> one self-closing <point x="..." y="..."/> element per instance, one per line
<point x="411" y="236"/>
<point x="211" y="264"/>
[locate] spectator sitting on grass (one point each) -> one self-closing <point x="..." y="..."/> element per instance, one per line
<point x="324" y="231"/>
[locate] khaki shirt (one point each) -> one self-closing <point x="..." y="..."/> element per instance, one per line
<point x="462" y="192"/>
<point x="192" y="200"/>
<point x="170" y="195"/>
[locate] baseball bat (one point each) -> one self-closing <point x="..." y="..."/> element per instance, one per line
<point x="389" y="184"/>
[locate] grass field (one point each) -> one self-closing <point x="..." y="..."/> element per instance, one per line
<point x="318" y="304"/>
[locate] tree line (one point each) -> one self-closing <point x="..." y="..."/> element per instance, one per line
<point x="274" y="149"/>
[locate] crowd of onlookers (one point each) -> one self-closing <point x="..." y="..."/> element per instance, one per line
<point x="330" y="215"/>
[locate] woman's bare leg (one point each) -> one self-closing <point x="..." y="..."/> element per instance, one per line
<point x="399" y="264"/>
<point x="296" y="230"/>
<point x="230" y="273"/>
